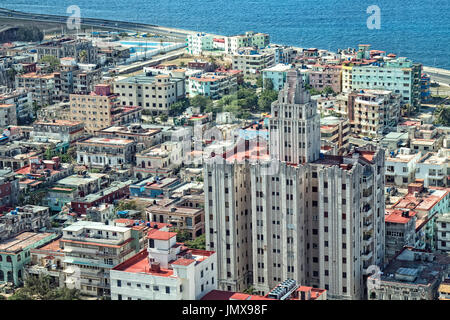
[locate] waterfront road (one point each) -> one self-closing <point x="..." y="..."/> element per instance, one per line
<point x="176" y="34"/>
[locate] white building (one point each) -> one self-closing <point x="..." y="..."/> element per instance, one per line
<point x="434" y="169"/>
<point x="199" y="42"/>
<point x="294" y="213"/>
<point x="213" y="85"/>
<point x="167" y="270"/>
<point x="401" y="167"/>
<point x="100" y="152"/>
<point x="443" y="232"/>
<point x="252" y="61"/>
<point x="91" y="249"/>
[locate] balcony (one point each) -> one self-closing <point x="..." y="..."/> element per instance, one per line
<point x="367" y="211"/>
<point x="367" y="226"/>
<point x="366" y="255"/>
<point x="367" y="240"/>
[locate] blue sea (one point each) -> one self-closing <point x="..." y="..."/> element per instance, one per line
<point x="418" y="29"/>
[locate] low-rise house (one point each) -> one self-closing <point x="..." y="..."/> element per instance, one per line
<point x="444" y="290"/>
<point x="154" y="187"/>
<point x="429" y="204"/>
<point x="434" y="169"/>
<point x="393" y="141"/>
<point x="412" y="275"/>
<point x="141" y="134"/>
<point x="159" y="160"/>
<point x="84" y="182"/>
<point x="9" y="189"/>
<point x="47" y="260"/>
<point x="64" y="130"/>
<point x="15" y="255"/>
<point x="27" y="218"/>
<point x="167" y="270"/>
<point x="101" y="152"/>
<point x="115" y="191"/>
<point x="39" y="172"/>
<point x="400" y="231"/>
<point x="181" y="217"/>
<point x="400" y="168"/>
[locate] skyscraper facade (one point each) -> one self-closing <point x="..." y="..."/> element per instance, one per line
<point x="286" y="211"/>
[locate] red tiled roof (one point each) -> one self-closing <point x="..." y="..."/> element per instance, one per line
<point x="161" y="235"/>
<point x="183" y="262"/>
<point x="395" y="216"/>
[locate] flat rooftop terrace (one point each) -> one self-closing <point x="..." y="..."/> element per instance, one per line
<point x="22" y="241"/>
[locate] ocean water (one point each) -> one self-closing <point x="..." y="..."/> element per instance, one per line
<point x="418" y="29"/>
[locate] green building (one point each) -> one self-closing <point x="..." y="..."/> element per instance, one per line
<point x="15" y="254"/>
<point x="401" y="76"/>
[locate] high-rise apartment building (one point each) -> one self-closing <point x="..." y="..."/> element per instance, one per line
<point x="294" y="212"/>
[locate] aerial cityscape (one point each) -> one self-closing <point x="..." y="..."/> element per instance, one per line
<point x="146" y="161"/>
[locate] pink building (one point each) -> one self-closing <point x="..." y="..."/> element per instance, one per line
<point x="322" y="76"/>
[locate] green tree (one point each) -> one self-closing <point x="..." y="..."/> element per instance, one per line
<point x="44" y="288"/>
<point x="266" y="99"/>
<point x="183" y="235"/>
<point x="442" y="115"/>
<point x="82" y="56"/>
<point x="52" y="61"/>
<point x="126" y="205"/>
<point x="197" y="243"/>
<point x="163" y="117"/>
<point x="259" y="81"/>
<point x="201" y="102"/>
<point x="48" y="154"/>
<point x="250" y="290"/>
<point x="179" y="107"/>
<point x="328" y="90"/>
<point x="268" y="84"/>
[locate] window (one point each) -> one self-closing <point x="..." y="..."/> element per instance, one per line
<point x="155" y="288"/>
<point x="167" y="289"/>
<point x="119" y="283"/>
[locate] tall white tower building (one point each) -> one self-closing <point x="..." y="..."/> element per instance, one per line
<point x="314" y="218"/>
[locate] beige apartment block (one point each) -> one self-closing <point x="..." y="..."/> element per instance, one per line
<point x="153" y="93"/>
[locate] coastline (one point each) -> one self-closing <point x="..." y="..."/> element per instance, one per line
<point x="112" y="24"/>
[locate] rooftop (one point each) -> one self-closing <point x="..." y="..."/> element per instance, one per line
<point x="139" y="263"/>
<point x="81" y="225"/>
<point x="22" y="241"/>
<point x="107" y="141"/>
<point x="415" y="267"/>
<point x="398" y="216"/>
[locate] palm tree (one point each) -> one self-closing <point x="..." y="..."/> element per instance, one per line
<point x="82" y="56"/>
